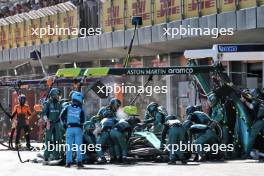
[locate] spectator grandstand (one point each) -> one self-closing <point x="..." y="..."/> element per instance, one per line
<point x="13" y="7"/>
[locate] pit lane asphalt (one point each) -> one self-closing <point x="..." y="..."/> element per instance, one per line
<point x="10" y="166"/>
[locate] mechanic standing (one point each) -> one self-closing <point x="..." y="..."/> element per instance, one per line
<point x="73" y="118"/>
<point x="51" y="112"/>
<point x="218" y="115"/>
<point x="21" y="115"/>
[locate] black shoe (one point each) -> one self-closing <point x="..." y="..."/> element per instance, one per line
<point x="171" y="162"/>
<point x="202" y="158"/>
<point x="125" y="160"/>
<point x="29" y="148"/>
<point x="120" y="160"/>
<point x="45" y="162"/>
<point x="195" y="157"/>
<point x="10" y="145"/>
<point x="80" y="165"/>
<point x="184" y="162"/>
<point x="68" y="165"/>
<point x="112" y="161"/>
<point x="245" y="156"/>
<point x="158" y="159"/>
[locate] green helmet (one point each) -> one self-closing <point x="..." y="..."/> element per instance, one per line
<point x="212" y="99"/>
<point x="152" y="107"/>
<point x="163" y="110"/>
<point x="88" y="126"/>
<point x="115" y="103"/>
<point x="95" y="119"/>
<point x="55" y="94"/>
<point x="198" y="107"/>
<point x="189" y="110"/>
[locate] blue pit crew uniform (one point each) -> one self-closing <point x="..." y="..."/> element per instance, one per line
<point x="73" y="118"/>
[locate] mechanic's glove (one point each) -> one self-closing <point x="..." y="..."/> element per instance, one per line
<point x="47" y="124"/>
<point x="27" y="121"/>
<point x="14" y="123"/>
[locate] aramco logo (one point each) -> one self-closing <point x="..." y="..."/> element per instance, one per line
<point x="227" y="48"/>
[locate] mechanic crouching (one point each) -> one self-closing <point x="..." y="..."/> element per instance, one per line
<point x="73" y="119"/>
<point x="105" y="141"/>
<point x="89" y="139"/>
<point x="256" y="104"/>
<point x="203" y="128"/>
<point x="155" y="115"/>
<point x="120" y="135"/>
<point x="108" y="116"/>
<point x="177" y="135"/>
<point x="205" y="135"/>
